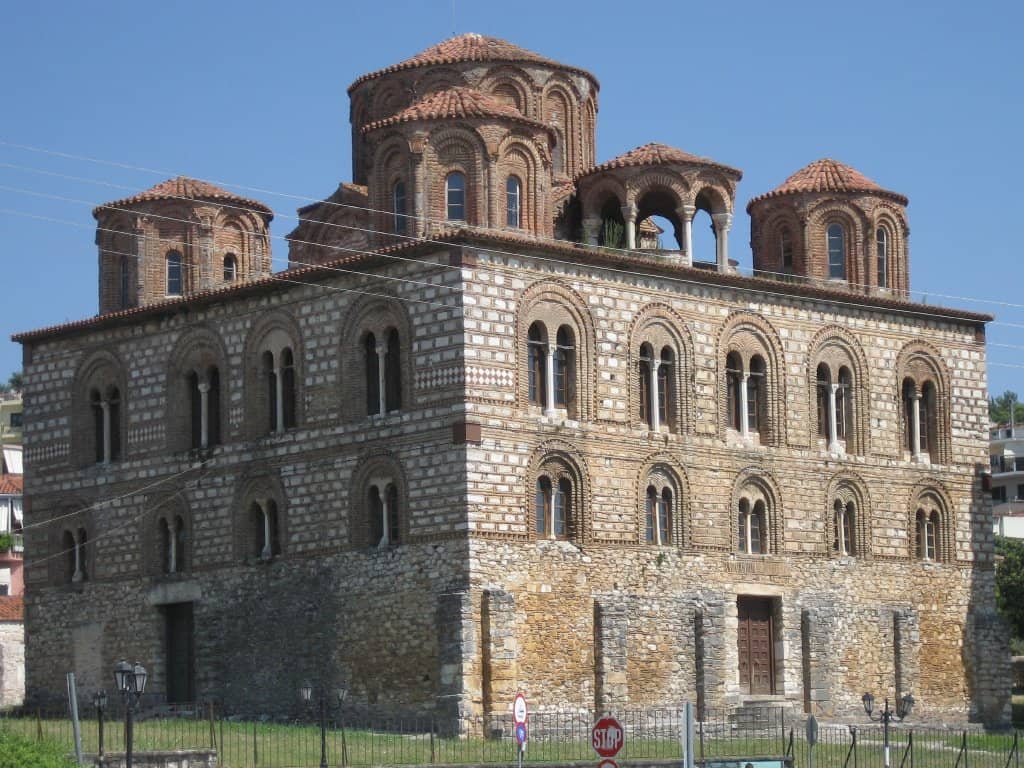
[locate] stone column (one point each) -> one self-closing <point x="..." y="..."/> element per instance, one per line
<point x="629" y="217"/>
<point x="915" y="424"/>
<point x="744" y="407"/>
<point x="906" y="650"/>
<point x="715" y="659"/>
<point x="77" y="576"/>
<point x="817" y="629"/>
<point x="501" y="651"/>
<point x="611" y="684"/>
<point x="833" y="432"/>
<point x="204" y="414"/>
<point x="686" y="213"/>
<point x="268" y="551"/>
<point x="591" y="229"/>
<point x="385" y="538"/>
<point x="549" y="381"/>
<point x="722" y="222"/>
<point x="655" y="415"/>
<point x="456" y="642"/>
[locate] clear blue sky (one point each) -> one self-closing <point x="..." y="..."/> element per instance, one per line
<point x="924" y="98"/>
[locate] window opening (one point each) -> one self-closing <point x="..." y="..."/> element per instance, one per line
<point x="174" y="275"/>
<point x="513" y="191"/>
<point x="455" y="192"/>
<point x="836" y="252"/>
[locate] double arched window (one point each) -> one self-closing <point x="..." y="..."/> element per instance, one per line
<point x="73" y="548"/>
<point x="657" y="384"/>
<point x="106" y="419"/>
<point x="658" y="515"/>
<point x="835" y="404"/>
<point x="455" y="196"/>
<point x="752" y="526"/>
<point x="172" y="544"/>
<point x="836" y="242"/>
<point x="204" y="407"/>
<point x="844" y="527"/>
<point x="746" y="394"/>
<point x="279" y="382"/>
<point x="927" y="534"/>
<point x="553" y="507"/>
<point x="552" y="367"/>
<point x="382" y="357"/>
<point x="264" y="529"/>
<point x="920" y="418"/>
<point x="175" y="282"/>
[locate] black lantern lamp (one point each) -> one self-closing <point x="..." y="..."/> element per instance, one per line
<point x="904" y="706"/>
<point x="131" y="682"/>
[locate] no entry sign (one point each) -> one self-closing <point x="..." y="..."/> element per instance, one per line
<point x="606" y="737"/>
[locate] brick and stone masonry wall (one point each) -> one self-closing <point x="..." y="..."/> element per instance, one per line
<point x="12" y="663"/>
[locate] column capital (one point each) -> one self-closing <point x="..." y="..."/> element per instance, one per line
<point x="629" y="211"/>
<point x="687" y="211"/>
<point x="722" y="221"/>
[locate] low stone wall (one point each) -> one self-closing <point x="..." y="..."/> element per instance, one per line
<point x="178" y="758"/>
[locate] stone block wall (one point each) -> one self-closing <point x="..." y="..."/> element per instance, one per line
<point x="12" y="663"/>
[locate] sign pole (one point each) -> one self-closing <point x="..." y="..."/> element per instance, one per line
<point x="688" y="735"/>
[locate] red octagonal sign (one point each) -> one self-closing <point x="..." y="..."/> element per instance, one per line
<point x="606" y="737"/>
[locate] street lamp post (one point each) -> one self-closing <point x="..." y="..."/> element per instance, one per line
<point x="306" y="691"/>
<point x="131" y="682"/>
<point x="99" y="700"/>
<point x="885" y="716"/>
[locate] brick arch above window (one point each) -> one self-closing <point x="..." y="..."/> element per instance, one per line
<point x="563" y="466"/>
<point x="751" y="488"/>
<point x="930" y="500"/>
<point x="359" y="382"/>
<point x="837" y="349"/>
<point x="849" y="488"/>
<point x="749" y="337"/>
<point x="378" y="514"/>
<point x="274" y="365"/>
<point x="260" y="518"/>
<point x="662" y="328"/>
<point x="554" y="306"/>
<point x="99" y="410"/>
<point x="663" y="472"/>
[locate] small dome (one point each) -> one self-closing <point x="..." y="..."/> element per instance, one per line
<point x="184" y="188"/>
<point x="468" y="48"/>
<point x="455" y="103"/>
<point x="658" y="154"/>
<point x="827" y="175"/>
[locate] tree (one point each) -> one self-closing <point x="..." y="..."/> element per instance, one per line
<point x="13" y="383"/>
<point x="999" y="408"/>
<point x="1010" y="583"/>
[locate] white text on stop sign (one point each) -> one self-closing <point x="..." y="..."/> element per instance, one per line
<point x="607" y="739"/>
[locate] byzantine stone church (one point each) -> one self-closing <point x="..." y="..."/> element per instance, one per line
<point x="499" y="428"/>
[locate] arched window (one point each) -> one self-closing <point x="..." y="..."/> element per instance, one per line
<point x="646" y="372"/>
<point x="920" y="418"/>
<point x="927" y="534"/>
<point x="666" y="395"/>
<point x="824" y="388"/>
<point x="73" y="549"/>
<point x="382" y="357"/>
<point x="752" y="527"/>
<point x="564" y="366"/>
<point x="204" y="398"/>
<point x="455" y="196"/>
<point x="836" y="252"/>
<point x="844" y="525"/>
<point x="733" y="386"/>
<point x="553" y="502"/>
<point x="382" y="502"/>
<point x="279" y="392"/>
<point x="172" y="544"/>
<point x="125" y="288"/>
<point x="844" y="403"/>
<point x="106" y="420"/>
<point x="372" y="371"/>
<point x="399" y="220"/>
<point x="882" y="250"/>
<point x="174" y="276"/>
<point x="786" y="250"/>
<point x="513" y="191"/>
<point x="230" y="268"/>
<point x="537" y="349"/>
<point x="928" y="420"/>
<point x="835" y="404"/>
<point x="658" y="516"/>
<point x="287" y="388"/>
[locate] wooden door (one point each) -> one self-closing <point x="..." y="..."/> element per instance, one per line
<point x="756" y="646"/>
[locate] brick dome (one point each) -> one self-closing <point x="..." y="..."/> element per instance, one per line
<point x="827" y="175"/>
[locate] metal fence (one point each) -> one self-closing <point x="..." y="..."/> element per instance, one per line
<point x="651" y="736"/>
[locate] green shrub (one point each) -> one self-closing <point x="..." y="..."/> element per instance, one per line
<point x="19" y="752"/>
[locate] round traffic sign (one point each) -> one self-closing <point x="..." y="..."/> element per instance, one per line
<point x="519" y="711"/>
<point x="520" y="733"/>
<point x="607" y="737"/>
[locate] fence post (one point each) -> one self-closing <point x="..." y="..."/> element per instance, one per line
<point x="255" y="753"/>
<point x="213" y="732"/>
<point x="39" y="725"/>
<point x="431" y="740"/>
<point x="702" y="741"/>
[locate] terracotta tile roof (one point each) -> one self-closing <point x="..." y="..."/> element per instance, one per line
<point x="579" y="252"/>
<point x="346" y="194"/>
<point x="11" y="485"/>
<point x="658" y="154"/>
<point x="828" y="175"/>
<point x="12" y="608"/>
<point x="455" y="103"/>
<point x="467" y="48"/>
<point x="184" y="188"/>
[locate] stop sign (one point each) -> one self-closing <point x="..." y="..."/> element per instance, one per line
<point x="606" y="737"/>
